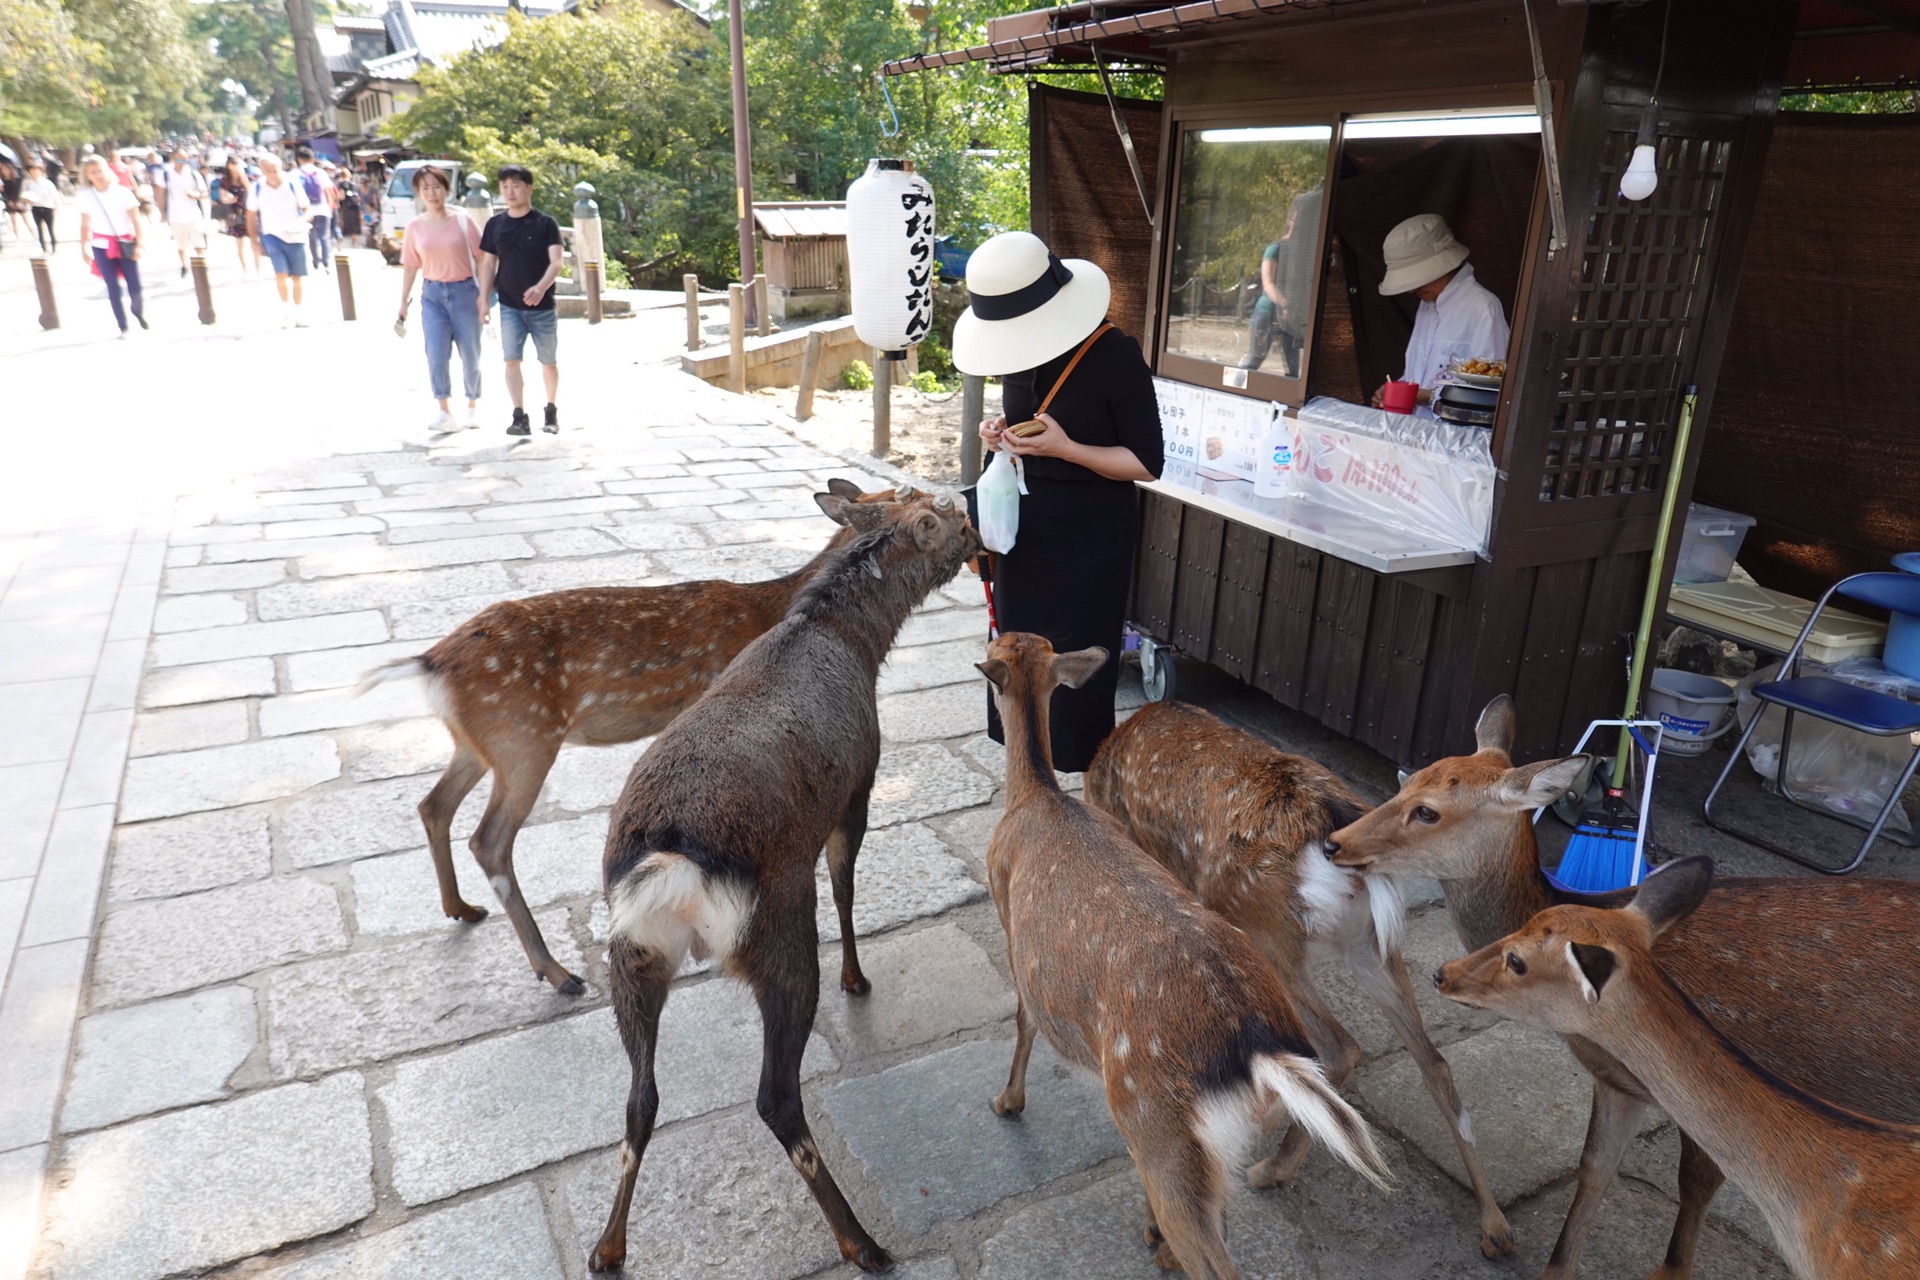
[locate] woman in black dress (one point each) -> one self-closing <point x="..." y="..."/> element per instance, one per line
<point x="1068" y="574"/>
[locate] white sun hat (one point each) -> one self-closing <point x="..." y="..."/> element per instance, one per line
<point x="1420" y="251"/>
<point x="1027" y="306"/>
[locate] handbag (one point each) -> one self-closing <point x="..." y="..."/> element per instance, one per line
<point x="1000" y="487"/>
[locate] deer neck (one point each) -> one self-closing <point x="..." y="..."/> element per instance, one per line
<point x="1507" y="890"/>
<point x="1029" y="746"/>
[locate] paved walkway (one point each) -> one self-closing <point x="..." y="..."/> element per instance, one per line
<point x="241" y="1040"/>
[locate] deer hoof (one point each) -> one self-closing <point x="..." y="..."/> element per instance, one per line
<point x="466" y="913"/>
<point x="1164" y="1259"/>
<point x="600" y="1261"/>
<point x="1153" y="1236"/>
<point x="871" y="1257"/>
<point x="571" y="987"/>
<point x="1008" y="1107"/>
<point x="1497" y="1244"/>
<point x="857" y="985"/>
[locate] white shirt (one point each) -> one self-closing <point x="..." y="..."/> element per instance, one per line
<point x="1466" y="322"/>
<point x="184" y="189"/>
<point x="283" y="209"/>
<point x="40" y="193"/>
<point x="109" y="213"/>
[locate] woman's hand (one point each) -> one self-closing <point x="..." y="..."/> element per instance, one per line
<point x="990" y="432"/>
<point x="1379" y="400"/>
<point x="1054" y="442"/>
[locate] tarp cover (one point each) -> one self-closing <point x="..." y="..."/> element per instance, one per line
<point x="1812" y="428"/>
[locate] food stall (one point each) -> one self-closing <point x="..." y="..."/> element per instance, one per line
<point x="1415" y="568"/>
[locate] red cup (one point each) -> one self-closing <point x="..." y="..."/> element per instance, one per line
<point x="1400" y="397"/>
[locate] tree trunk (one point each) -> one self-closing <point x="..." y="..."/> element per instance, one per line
<point x="316" y="82"/>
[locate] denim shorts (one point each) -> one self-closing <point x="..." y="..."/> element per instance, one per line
<point x="288" y="259"/>
<point x="517" y="324"/>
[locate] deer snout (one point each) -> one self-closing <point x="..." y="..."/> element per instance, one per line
<point x="1439" y="979"/>
<point x="1330" y="847"/>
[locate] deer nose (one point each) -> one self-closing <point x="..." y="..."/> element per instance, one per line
<point x="1330" y="847"/>
<point x="1439" y="980"/>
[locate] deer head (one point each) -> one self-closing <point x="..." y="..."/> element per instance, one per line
<point x="1022" y="665"/>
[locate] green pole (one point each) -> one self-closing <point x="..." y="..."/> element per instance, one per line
<point x="1643" y="637"/>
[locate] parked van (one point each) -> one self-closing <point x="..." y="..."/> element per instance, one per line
<point x="396" y="202"/>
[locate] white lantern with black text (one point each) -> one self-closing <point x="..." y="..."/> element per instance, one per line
<point x="890" y="263"/>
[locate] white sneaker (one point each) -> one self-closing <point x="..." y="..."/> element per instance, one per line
<point x="442" y="424"/>
<point x="471" y="419"/>
<point x="286" y="319"/>
<point x="300" y="319"/>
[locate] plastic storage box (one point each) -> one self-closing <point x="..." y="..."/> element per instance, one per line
<point x="1711" y="544"/>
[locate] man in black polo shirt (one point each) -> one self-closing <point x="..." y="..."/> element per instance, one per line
<point x="520" y="260"/>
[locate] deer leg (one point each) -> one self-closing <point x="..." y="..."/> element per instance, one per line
<point x="1013" y="1099"/>
<point x="639" y="978"/>
<point x="1700" y="1180"/>
<point x="787" y="987"/>
<point x="1388" y="982"/>
<point x="1338" y="1053"/>
<point x="463" y="773"/>
<point x="1610" y="1128"/>
<point x="843" y="847"/>
<point x="1184" y="1193"/>
<point x="514" y="791"/>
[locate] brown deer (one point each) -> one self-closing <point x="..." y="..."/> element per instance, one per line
<point x="1818" y="980"/>
<point x="1127" y="975"/>
<point x="595" y="665"/>
<point x="1840" y="1190"/>
<point x="1244" y="826"/>
<point x="712" y="845"/>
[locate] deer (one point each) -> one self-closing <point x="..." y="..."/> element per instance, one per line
<point x="1244" y="827"/>
<point x="712" y="845"/>
<point x="1840" y="1190"/>
<point x="1839" y="1020"/>
<point x="594" y="665"/>
<point x="1128" y="975"/>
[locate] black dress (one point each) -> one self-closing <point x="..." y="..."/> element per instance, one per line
<point x="1070" y="568"/>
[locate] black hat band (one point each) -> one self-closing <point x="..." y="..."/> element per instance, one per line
<point x="1007" y="306"/>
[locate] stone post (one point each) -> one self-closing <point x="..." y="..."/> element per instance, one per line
<point x="692" y="283"/>
<point x="809" y="374"/>
<point x="477" y="201"/>
<point x="762" y="312"/>
<point x="202" y="287"/>
<point x="737" y="339"/>
<point x="343" y="271"/>
<point x="43" y="283"/>
<point x="882" y="404"/>
<point x="973" y="407"/>
<point x="587" y="243"/>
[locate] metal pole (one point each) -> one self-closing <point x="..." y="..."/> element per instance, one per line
<point x="43" y="283"/>
<point x="202" y="288"/>
<point x="809" y="374"/>
<point x="973" y="407"/>
<point x="742" y="143"/>
<point x="692" y="283"/>
<point x="882" y="404"/>
<point x="736" y="340"/>
<point x="343" y="270"/>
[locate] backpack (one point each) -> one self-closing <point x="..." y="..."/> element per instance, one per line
<point x="311" y="181"/>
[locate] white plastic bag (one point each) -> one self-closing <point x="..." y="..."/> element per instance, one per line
<point x="1845" y="772"/>
<point x="998" y="496"/>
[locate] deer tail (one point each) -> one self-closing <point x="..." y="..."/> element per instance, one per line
<point x="1300" y="1087"/>
<point x="398" y="669"/>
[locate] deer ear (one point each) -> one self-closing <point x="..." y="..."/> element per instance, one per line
<point x="1671" y="893"/>
<point x="1593" y="966"/>
<point x="995" y="670"/>
<point x="1494" y="730"/>
<point x="1535" y="786"/>
<point x="1075" y="669"/>
<point x="863" y="516"/>
<point x="844" y="488"/>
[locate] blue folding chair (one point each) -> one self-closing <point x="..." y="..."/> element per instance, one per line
<point x="1839" y="703"/>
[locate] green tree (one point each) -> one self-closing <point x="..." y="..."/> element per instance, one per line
<point x="148" y="75"/>
<point x="45" y="70"/>
<point x="252" y="59"/>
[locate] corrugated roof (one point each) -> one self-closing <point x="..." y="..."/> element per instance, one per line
<point x="795" y="219"/>
<point x="358" y="22"/>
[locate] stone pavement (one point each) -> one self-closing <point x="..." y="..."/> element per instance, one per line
<point x="286" y="1063"/>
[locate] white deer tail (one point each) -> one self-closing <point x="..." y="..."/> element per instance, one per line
<point x="1301" y="1088"/>
<point x="398" y="669"/>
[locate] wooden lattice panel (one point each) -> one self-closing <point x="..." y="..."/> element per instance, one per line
<point x="1639" y="290"/>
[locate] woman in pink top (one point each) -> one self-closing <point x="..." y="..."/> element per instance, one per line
<point x="441" y="245"/>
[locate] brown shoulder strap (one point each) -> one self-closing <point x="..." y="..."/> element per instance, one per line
<point x="1067" y="372"/>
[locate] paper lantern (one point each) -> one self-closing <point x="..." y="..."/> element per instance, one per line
<point x="890" y="264"/>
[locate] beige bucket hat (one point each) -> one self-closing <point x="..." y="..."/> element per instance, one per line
<point x="1420" y="251"/>
<point x="1028" y="306"/>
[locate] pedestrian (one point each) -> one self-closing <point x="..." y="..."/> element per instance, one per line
<point x="441" y="244"/>
<point x="520" y="259"/>
<point x="183" y="189"/>
<point x="11" y="184"/>
<point x="230" y="192"/>
<point x="277" y="221"/>
<point x="351" y="226"/>
<point x="110" y="237"/>
<point x="42" y="198"/>
<point x="54" y="168"/>
<point x="321" y="195"/>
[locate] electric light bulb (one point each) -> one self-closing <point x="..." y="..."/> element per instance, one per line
<point x="1638" y="182"/>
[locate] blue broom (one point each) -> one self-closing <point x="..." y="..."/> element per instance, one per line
<point x="1607" y="848"/>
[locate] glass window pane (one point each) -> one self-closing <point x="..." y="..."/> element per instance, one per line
<point x="1246" y="240"/>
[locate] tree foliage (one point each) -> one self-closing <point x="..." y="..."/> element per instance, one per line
<point x="252" y="76"/>
<point x="72" y="70"/>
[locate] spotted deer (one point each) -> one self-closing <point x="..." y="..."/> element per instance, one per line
<point x="1127" y="975"/>
<point x="1244" y="826"/>
<point x="1840" y="1190"/>
<point x="712" y="845"/>
<point x="1818" y="980"/>
<point x="594" y="665"/>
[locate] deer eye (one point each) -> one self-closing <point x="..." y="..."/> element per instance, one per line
<point x="1421" y="813"/>
<point x="1515" y="963"/>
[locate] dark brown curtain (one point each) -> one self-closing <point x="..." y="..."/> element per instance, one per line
<point x="1814" y="432"/>
<point x="1084" y="203"/>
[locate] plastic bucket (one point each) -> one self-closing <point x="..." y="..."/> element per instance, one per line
<point x="1692" y="709"/>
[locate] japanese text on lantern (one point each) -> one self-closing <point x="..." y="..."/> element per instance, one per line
<point x="917" y="206"/>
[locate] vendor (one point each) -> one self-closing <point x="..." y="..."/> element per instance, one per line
<point x="1039" y="324"/>
<point x="1459" y="318"/>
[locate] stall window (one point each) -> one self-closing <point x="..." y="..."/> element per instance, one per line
<point x="1244" y="270"/>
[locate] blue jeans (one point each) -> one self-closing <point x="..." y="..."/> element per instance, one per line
<point x="449" y="315"/>
<point x="517" y="325"/>
<point x="113" y="271"/>
<point x="320" y="239"/>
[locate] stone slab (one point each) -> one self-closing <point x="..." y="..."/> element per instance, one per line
<point x="377" y="591"/>
<point x="156" y="1056"/>
<point x="42" y="1000"/>
<point x="357" y="821"/>
<point x="1629" y="1238"/>
<point x="53" y="648"/>
<point x="928" y="1141"/>
<point x="503" y="1234"/>
<point x="66" y="893"/>
<point x="191" y="1190"/>
<point x="435" y="618"/>
<point x="149" y="949"/>
<point x="267" y="639"/>
<point x="221" y="777"/>
<point x="936" y="626"/>
<point x="574" y="542"/>
<point x="1654" y="1158"/>
<point x="186" y="855"/>
<point x="928" y="715"/>
<point x="42" y="717"/>
<point x="903" y="873"/>
<point x="375" y="1004"/>
<point x="211" y="724"/>
<point x="337" y="668"/>
<point x="626" y="570"/>
<point x="339" y="708"/>
<point x="657" y="535"/>
<point x="208" y="682"/>
<point x="488" y="1110"/>
<point x="920" y="781"/>
<point x="399" y="894"/>
<point x="419" y="555"/>
<point x="190" y="613"/>
<point x="22" y="1179"/>
<point x="406" y="747"/>
<point x="29" y="793"/>
<point x="224" y="577"/>
<point x="239" y="552"/>
<point x="1427" y="943"/>
<point x="588" y="778"/>
<point x="926" y="985"/>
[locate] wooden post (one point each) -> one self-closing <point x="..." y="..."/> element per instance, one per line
<point x="692" y="283"/>
<point x="737" y="339"/>
<point x="43" y="283"/>
<point x="202" y="287"/>
<point x="882" y="404"/>
<point x="591" y="273"/>
<point x="343" y="270"/>
<point x="913" y="361"/>
<point x="762" y="311"/>
<point x="973" y="407"/>
<point x="809" y="374"/>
